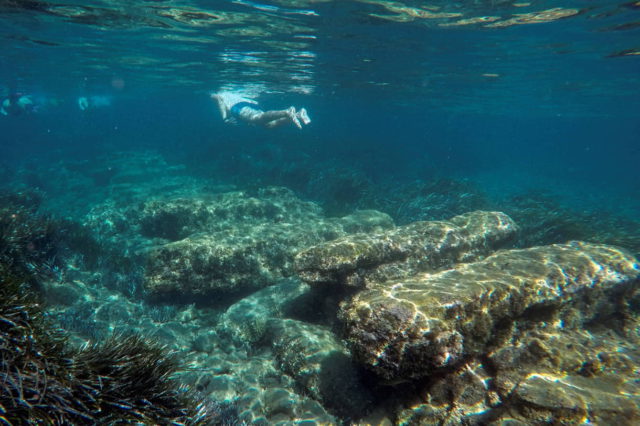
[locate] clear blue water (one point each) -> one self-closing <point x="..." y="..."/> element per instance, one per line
<point x="540" y="103"/>
<point x="507" y="97"/>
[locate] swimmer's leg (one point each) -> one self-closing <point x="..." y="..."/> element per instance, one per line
<point x="304" y="116"/>
<point x="276" y="117"/>
<point x="277" y="122"/>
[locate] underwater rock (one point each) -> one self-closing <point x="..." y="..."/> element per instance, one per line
<point x="113" y="182"/>
<point x="222" y="262"/>
<point x="604" y="400"/>
<point x="361" y="259"/>
<point x="201" y="265"/>
<point x="566" y="373"/>
<point x="245" y="322"/>
<point x="240" y="243"/>
<point x="261" y="392"/>
<point x="174" y="219"/>
<point x="364" y="221"/>
<point x="321" y="364"/>
<point x="139" y="224"/>
<point x="408" y="328"/>
<point x="459" y="397"/>
<point x="179" y="218"/>
<point x="550" y="374"/>
<point x="205" y="341"/>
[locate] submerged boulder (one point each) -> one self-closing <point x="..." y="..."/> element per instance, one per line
<point x="404" y="329"/>
<point x="547" y="374"/>
<point x="246" y="259"/>
<point x="178" y="218"/>
<point x="236" y="243"/>
<point x="321" y="365"/>
<point x="361" y="259"/>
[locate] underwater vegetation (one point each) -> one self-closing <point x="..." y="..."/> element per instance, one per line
<point x="543" y="220"/>
<point x="434" y="199"/>
<point x="541" y="216"/>
<point x="28" y="242"/>
<point x="40" y="244"/>
<point x="35" y="243"/>
<point x="123" y="379"/>
<point x="119" y="380"/>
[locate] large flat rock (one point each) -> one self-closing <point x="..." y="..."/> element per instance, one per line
<point x="223" y="262"/>
<point x="360" y="259"/>
<point x="234" y="243"/>
<point x="608" y="399"/>
<point x="408" y="328"/>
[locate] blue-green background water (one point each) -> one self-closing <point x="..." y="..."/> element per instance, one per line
<point x="541" y="104"/>
<point x="420" y="110"/>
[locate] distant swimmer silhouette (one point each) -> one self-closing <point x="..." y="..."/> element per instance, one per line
<point x="236" y="107"/>
<point x="17" y="104"/>
<point x="91" y="102"/>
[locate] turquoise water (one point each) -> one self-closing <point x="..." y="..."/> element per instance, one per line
<point x="419" y="110"/>
<point x="545" y="104"/>
<point x="452" y="93"/>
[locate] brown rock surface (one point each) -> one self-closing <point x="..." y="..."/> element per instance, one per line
<point x="409" y="328"/>
<point x="360" y="259"/>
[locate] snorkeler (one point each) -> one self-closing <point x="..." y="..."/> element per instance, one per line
<point x="91" y="102"/>
<point x="234" y="107"/>
<point x="83" y="103"/>
<point x="17" y="104"/>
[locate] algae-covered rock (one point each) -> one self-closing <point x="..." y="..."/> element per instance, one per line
<point x="459" y="397"/>
<point x="411" y="327"/>
<point x="173" y="220"/>
<point x="549" y="372"/>
<point x="178" y="218"/>
<point x="360" y="259"/>
<point x="236" y="243"/>
<point x="321" y="364"/>
<point x="563" y="374"/>
<point x="365" y="221"/>
<point x="604" y="400"/>
<point x="222" y="262"/>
